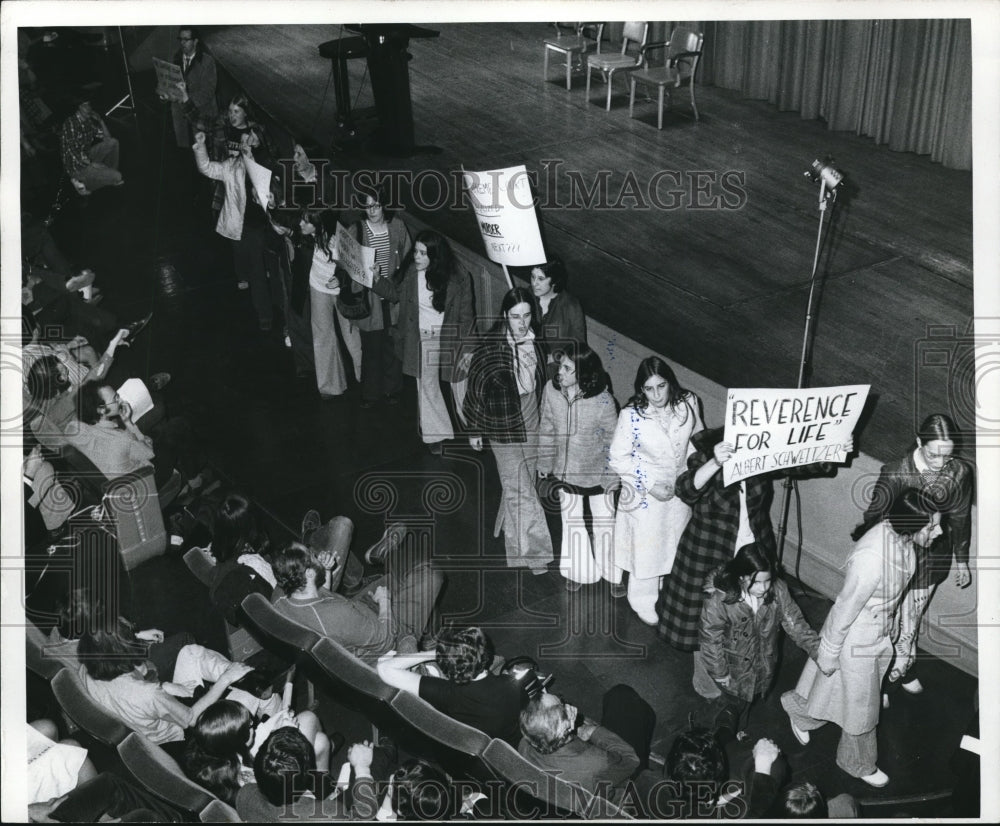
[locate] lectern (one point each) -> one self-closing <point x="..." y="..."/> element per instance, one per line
<point x="388" y="66"/>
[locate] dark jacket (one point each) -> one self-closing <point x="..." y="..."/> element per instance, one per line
<point x="951" y="488"/>
<point x="492" y="402"/>
<point x="742" y="645"/>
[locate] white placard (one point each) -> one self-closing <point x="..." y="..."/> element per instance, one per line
<point x="505" y="211"/>
<point x="356" y="259"/>
<point x="772" y="429"/>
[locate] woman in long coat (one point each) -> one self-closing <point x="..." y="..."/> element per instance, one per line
<point x="651" y="441"/>
<point x="948" y="480"/>
<point x="843" y="685"/>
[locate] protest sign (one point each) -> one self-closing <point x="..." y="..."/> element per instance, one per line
<point x="356" y="259"/>
<point x="168" y="75"/>
<point x="773" y="429"/>
<point x="505" y="212"/>
<point x="260" y="177"/>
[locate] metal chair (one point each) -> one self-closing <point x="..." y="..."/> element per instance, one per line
<point x="573" y="45"/>
<point x="683" y="53"/>
<point x="634" y="35"/>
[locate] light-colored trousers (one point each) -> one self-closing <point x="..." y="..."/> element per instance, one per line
<point x="856" y="753"/>
<point x="911" y="612"/>
<point x="103" y="167"/>
<point x="331" y="380"/>
<point x="435" y="423"/>
<point x="584" y="558"/>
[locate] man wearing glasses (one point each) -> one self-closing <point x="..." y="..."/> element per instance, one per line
<point x="201" y="110"/>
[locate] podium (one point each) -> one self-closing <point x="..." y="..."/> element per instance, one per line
<point x="388" y="66"/>
<point x="339" y="52"/>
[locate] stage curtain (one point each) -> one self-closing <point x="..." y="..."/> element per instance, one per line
<point x="905" y="83"/>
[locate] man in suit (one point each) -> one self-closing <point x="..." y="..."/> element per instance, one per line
<point x="201" y="110"/>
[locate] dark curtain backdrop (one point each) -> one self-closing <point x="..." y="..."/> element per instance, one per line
<point x="905" y="83"/>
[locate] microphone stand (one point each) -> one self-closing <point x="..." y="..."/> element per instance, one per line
<point x="826" y="195"/>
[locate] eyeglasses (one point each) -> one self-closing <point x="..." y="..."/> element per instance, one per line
<point x="186" y="39"/>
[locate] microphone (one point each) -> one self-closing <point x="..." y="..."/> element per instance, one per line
<point x="824" y="171"/>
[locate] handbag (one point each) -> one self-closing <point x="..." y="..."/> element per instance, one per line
<point x="351" y="305"/>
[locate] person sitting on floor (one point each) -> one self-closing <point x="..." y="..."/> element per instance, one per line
<point x="466" y="691"/>
<point x="598" y="757"/>
<point x="390" y="616"/>
<point x="89" y="152"/>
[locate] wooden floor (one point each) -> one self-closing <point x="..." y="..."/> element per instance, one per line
<point x="718" y="289"/>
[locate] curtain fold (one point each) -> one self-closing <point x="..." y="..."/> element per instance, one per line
<point x="904" y="83"/>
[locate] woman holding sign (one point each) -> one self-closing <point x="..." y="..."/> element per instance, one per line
<point x="930" y="467"/>
<point x="648" y="450"/>
<point x="843" y="685"/>
<point x="506" y="379"/>
<point x="435" y="315"/>
<point x="724" y="518"/>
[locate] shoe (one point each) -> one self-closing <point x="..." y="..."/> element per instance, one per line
<point x="573" y="586"/>
<point x="800" y="735"/>
<point x="78" y="282"/>
<point x="310" y="522"/>
<point x="288" y="341"/>
<point x="877" y="778"/>
<point x="242" y="285"/>
<point x="79" y="186"/>
<point x="159" y="380"/>
<point x="618" y="590"/>
<point x="912" y="686"/>
<point x="392" y="538"/>
<point x="650" y="619"/>
<point x="137" y="327"/>
<point x="539" y="571"/>
<point x="435" y="448"/>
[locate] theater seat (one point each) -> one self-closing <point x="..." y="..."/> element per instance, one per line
<point x="535" y="793"/>
<point x="99" y="731"/>
<point x="151" y="768"/>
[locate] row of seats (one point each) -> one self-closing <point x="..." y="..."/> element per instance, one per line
<point x="421" y="729"/>
<point x="632" y="60"/>
<point x="112" y="746"/>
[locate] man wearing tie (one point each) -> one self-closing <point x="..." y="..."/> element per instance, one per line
<point x="200" y="111"/>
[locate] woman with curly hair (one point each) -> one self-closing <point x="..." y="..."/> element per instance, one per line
<point x="578" y="419"/>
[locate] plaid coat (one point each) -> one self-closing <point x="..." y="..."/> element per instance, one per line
<point x="707" y="542"/>
<point x="492" y="403"/>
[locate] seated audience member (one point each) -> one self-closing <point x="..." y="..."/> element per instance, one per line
<point x="89" y="152"/>
<point x="421" y="791"/>
<point x="106" y="434"/>
<point x="105" y="798"/>
<point x="289" y="784"/>
<point x="468" y="691"/>
<point x="391" y="617"/>
<point x="116" y="676"/>
<point x="53" y="375"/>
<point x="804" y="801"/>
<point x="54" y="502"/>
<point x="224" y="739"/>
<point x="694" y="778"/>
<point x="48" y="302"/>
<point x="55" y="767"/>
<point x="600" y="758"/>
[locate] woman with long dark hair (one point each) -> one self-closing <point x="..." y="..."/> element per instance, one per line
<point x="561" y="316"/>
<point x="506" y="379"/>
<point x="434" y="327"/>
<point x="381" y="369"/>
<point x="651" y="441"/>
<point x="932" y="467"/>
<point x="324" y="287"/>
<point x="843" y="685"/>
<point x="745" y="607"/>
<point x="577" y="421"/>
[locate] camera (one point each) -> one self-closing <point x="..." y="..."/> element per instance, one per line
<point x="525" y="671"/>
<point x="958" y="373"/>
